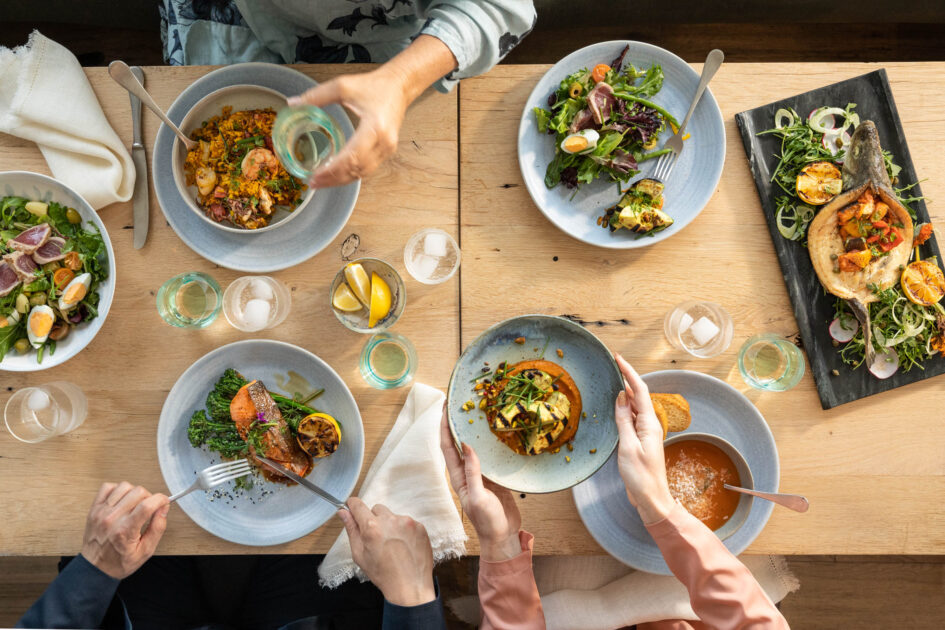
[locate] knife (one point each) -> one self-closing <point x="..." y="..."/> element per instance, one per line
<point x="140" y="199"/>
<point x="302" y="482"/>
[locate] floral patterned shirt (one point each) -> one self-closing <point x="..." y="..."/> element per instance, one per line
<point x="478" y="32"/>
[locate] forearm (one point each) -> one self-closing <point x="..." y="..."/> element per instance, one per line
<point x="417" y="67"/>
<point x="423" y="616"/>
<point x="78" y="598"/>
<point x="508" y="593"/>
<point x="722" y="591"/>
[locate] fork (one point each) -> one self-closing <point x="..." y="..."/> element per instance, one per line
<point x="213" y="476"/>
<point x="664" y="166"/>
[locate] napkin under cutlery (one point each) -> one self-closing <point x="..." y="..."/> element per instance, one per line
<point x="409" y="477"/>
<point x="47" y="98"/>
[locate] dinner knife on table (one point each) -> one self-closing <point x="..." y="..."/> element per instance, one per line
<point x="302" y="482"/>
<point x="140" y="198"/>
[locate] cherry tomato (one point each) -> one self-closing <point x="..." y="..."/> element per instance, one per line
<point x="599" y="72"/>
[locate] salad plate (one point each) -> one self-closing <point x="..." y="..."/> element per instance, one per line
<point x="694" y="178"/>
<point x="814" y="309"/>
<point x="319" y="220"/>
<point x="717" y="409"/>
<point x="538" y="339"/>
<point x="36" y="187"/>
<point x="268" y="513"/>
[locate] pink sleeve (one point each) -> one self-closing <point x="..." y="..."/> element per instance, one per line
<point x="508" y="594"/>
<point x="722" y="591"/>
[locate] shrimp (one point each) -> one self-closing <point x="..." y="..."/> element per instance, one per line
<point x="206" y="180"/>
<point x="265" y="201"/>
<point x="256" y="160"/>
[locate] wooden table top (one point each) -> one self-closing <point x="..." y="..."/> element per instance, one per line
<point x="874" y="470"/>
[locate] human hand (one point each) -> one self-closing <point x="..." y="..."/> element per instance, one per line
<point x="491" y="508"/>
<point x="124" y="526"/>
<point x="380" y="100"/>
<point x="392" y="550"/>
<point x="640" y="457"/>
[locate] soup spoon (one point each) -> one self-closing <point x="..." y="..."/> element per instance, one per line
<point x="120" y="71"/>
<point x="791" y="501"/>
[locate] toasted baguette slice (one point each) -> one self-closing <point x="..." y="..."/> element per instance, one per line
<point x="661" y="414"/>
<point x="678" y="416"/>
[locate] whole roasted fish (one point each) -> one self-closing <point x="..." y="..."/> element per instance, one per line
<point x="865" y="181"/>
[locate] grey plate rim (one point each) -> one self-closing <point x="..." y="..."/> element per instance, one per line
<point x="164" y="144"/>
<point x="765" y="508"/>
<point x="568" y="323"/>
<point x="707" y="96"/>
<point x="198" y="518"/>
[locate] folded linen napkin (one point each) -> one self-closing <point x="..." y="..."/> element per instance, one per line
<point x="409" y="477"/>
<point x="47" y="98"/>
<point x="611" y="595"/>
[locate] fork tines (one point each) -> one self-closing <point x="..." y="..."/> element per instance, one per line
<point x="664" y="166"/>
<point x="226" y="471"/>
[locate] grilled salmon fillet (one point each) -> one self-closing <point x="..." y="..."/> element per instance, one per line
<point x="253" y="403"/>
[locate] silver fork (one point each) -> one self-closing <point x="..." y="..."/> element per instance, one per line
<point x="664" y="166"/>
<point x="213" y="476"/>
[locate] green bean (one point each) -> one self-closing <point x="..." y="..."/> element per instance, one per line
<point x="642" y="101"/>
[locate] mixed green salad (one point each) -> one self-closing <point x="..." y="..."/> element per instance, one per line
<point x="904" y="328"/>
<point x="604" y="123"/>
<point x="51" y="267"/>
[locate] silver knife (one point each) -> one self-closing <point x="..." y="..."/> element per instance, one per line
<point x="140" y="199"/>
<point x="302" y="482"/>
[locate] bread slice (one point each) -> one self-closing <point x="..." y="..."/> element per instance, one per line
<point x="661" y="414"/>
<point x="678" y="416"/>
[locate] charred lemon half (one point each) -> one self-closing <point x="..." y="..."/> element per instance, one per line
<point x="319" y="434"/>
<point x="818" y="183"/>
<point x="923" y="283"/>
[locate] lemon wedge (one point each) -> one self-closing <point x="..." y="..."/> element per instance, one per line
<point x="359" y="282"/>
<point x="380" y="300"/>
<point x="319" y="434"/>
<point x="345" y="300"/>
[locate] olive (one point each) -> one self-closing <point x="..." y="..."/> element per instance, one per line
<point x="22" y="345"/>
<point x="51" y="266"/>
<point x="73" y="216"/>
<point x="37" y="298"/>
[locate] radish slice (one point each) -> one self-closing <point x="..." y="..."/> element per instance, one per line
<point x="885" y="364"/>
<point x="822" y="120"/>
<point x="783" y="114"/>
<point x="836" y="139"/>
<point x="841" y="334"/>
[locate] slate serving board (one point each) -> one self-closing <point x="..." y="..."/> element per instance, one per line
<point x="813" y="308"/>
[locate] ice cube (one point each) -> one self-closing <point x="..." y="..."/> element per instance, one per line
<point x="256" y="314"/>
<point x="260" y="289"/>
<point x="704" y="330"/>
<point x="685" y="322"/>
<point x="38" y="400"/>
<point x="424" y="266"/>
<point x="434" y="244"/>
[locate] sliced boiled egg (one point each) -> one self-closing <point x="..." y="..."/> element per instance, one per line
<point x="584" y="140"/>
<point x="40" y="322"/>
<point x="75" y="292"/>
<point x="10" y="320"/>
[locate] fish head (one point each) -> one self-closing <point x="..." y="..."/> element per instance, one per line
<point x="864" y="160"/>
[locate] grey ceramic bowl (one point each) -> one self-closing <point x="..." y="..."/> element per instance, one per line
<point x="269" y="514"/>
<point x="593" y="369"/>
<point x="240" y="98"/>
<point x="740" y="515"/>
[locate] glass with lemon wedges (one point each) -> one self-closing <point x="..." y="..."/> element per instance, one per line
<point x="368" y="295"/>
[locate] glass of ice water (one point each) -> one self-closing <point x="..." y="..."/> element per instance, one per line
<point x="189" y="300"/>
<point x="254" y="303"/>
<point x="770" y="362"/>
<point x="34" y="414"/>
<point x="703" y="329"/>
<point x="431" y="256"/>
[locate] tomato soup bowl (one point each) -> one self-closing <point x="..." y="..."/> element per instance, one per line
<point x="742" y="509"/>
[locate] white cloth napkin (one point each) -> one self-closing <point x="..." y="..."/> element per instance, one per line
<point x="600" y="593"/>
<point x="46" y="98"/>
<point x="409" y="477"/>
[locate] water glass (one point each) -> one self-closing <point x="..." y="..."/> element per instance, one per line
<point x="703" y="329"/>
<point x="303" y="137"/>
<point x="431" y="256"/>
<point x="189" y="300"/>
<point x="254" y="303"/>
<point x="388" y="360"/>
<point x="34" y="414"/>
<point x="770" y="362"/>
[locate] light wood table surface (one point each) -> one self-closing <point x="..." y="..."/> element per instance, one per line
<point x="874" y="469"/>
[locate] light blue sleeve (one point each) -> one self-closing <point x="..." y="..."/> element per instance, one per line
<point x="479" y="33"/>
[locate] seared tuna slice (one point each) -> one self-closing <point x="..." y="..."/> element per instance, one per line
<point x="22" y="264"/>
<point x="8" y="279"/>
<point x="50" y="251"/>
<point x="32" y="239"/>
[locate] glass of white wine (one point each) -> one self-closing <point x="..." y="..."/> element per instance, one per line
<point x="190" y="300"/>
<point x="388" y="360"/>
<point x="770" y="362"/>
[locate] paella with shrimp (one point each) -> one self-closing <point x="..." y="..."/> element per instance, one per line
<point x="235" y="170"/>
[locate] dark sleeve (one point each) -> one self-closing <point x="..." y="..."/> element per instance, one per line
<point x="77" y="598"/>
<point x="427" y="616"/>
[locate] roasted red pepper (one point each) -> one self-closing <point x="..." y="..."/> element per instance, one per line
<point x="895" y="240"/>
<point x="880" y="225"/>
